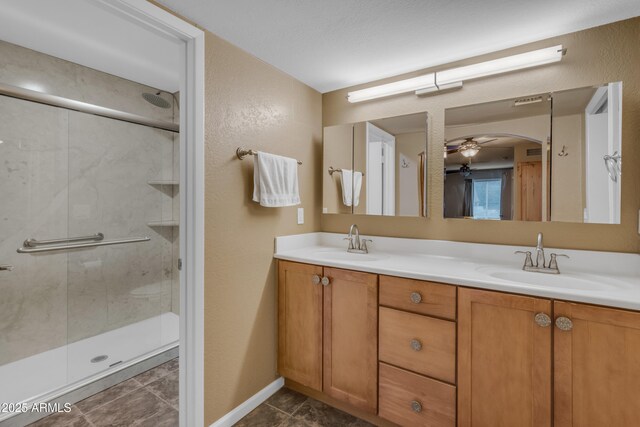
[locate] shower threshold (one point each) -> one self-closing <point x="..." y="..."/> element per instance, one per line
<point x="46" y="376"/>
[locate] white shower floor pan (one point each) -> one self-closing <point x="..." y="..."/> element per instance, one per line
<point x="42" y="376"/>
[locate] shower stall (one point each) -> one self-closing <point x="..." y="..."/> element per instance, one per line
<point x="89" y="233"/>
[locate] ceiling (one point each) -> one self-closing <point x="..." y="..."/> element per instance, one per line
<point x="90" y="33"/>
<point x="332" y="44"/>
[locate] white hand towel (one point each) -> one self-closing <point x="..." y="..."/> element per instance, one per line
<point x="351" y="186"/>
<point x="347" y="187"/>
<point x="275" y="180"/>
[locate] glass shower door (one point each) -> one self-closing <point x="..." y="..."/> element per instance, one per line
<point x="34" y="204"/>
<point x="119" y="296"/>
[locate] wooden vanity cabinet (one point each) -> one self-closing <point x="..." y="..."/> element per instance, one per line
<point x="596" y="366"/>
<point x="504" y="359"/>
<point x="328" y="331"/>
<point x="329" y="334"/>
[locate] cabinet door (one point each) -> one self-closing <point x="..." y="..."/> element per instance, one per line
<point x="351" y="338"/>
<point x="597" y="366"/>
<point x="300" y="323"/>
<point x="504" y="360"/>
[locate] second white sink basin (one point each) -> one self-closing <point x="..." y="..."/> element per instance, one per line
<point x="349" y="256"/>
<point x="562" y="280"/>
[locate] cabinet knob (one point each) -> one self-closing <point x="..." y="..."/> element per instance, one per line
<point x="416" y="298"/>
<point x="543" y="319"/>
<point x="416" y="406"/>
<point x="315" y="279"/>
<point x="325" y="281"/>
<point x="564" y="323"/>
<point x="416" y="345"/>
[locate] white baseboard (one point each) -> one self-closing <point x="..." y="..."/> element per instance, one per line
<point x="249" y="405"/>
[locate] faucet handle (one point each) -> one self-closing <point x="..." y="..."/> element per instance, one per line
<point x="553" y="261"/>
<point x="363" y="244"/>
<point x="528" y="262"/>
<point x="350" y="239"/>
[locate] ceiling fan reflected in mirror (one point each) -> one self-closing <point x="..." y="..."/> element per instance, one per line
<point x="469" y="147"/>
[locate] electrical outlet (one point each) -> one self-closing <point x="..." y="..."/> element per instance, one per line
<point x="300" y="216"/>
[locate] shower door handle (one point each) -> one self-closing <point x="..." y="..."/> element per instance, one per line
<point x="6" y="267"/>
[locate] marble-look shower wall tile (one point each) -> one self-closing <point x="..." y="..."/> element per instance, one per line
<point x="110" y="163"/>
<point x="33" y="188"/>
<point x="27" y="68"/>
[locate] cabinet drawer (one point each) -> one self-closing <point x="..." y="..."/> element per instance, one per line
<point x="418" y="343"/>
<point x="433" y="299"/>
<point x="410" y="399"/>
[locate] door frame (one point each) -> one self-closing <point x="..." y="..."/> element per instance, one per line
<point x="191" y="238"/>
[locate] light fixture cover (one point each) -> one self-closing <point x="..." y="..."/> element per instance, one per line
<point x="402" y="86"/>
<point x="469" y="152"/>
<point x="454" y="76"/>
<point x="502" y="65"/>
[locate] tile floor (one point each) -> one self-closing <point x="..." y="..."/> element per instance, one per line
<point x="149" y="399"/>
<point x="288" y="408"/>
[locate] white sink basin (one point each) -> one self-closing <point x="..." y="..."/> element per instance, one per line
<point x="562" y="281"/>
<point x="349" y="256"/>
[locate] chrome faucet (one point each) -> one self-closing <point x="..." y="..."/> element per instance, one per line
<point x="541" y="263"/>
<point x="356" y="245"/>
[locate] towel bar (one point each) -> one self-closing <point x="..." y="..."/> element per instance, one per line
<point x="332" y="170"/>
<point x="243" y="152"/>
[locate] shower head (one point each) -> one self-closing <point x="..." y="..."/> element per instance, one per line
<point x="156" y="99"/>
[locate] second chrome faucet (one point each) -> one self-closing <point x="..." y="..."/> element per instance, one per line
<point x="541" y="265"/>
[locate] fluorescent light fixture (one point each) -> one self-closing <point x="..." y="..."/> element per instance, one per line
<point x="453" y="78"/>
<point x="395" y="88"/>
<point x="502" y="65"/>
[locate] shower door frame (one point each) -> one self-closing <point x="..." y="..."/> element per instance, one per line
<point x="191" y="197"/>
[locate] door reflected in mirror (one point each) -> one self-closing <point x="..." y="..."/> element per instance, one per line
<point x="380" y="170"/>
<point x="546" y="157"/>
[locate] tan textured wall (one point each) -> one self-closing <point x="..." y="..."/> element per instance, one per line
<point x="251" y="104"/>
<point x="337" y="153"/>
<point x="567" y="201"/>
<point x="595" y="56"/>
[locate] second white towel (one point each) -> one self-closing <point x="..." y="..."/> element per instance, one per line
<point x="351" y="186"/>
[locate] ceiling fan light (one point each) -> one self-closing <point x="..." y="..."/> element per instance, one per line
<point x="469" y="151"/>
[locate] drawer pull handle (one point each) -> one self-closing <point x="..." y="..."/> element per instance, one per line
<point x="416" y="298"/>
<point x="416" y="406"/>
<point x="325" y="281"/>
<point x="564" y="323"/>
<point x="543" y="319"/>
<point x="315" y="279"/>
<point x="416" y="345"/>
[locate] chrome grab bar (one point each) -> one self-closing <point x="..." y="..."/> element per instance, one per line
<point x="27" y="250"/>
<point x="32" y="243"/>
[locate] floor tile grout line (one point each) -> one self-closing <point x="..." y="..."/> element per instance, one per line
<point x="160" y="397"/>
<point x="276" y="408"/>
<point x="299" y="406"/>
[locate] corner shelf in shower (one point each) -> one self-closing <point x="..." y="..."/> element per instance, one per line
<point x="166" y="223"/>
<point x="162" y="182"/>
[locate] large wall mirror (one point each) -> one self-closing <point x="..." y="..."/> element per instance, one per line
<point x="544" y="157"/>
<point x="378" y="167"/>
